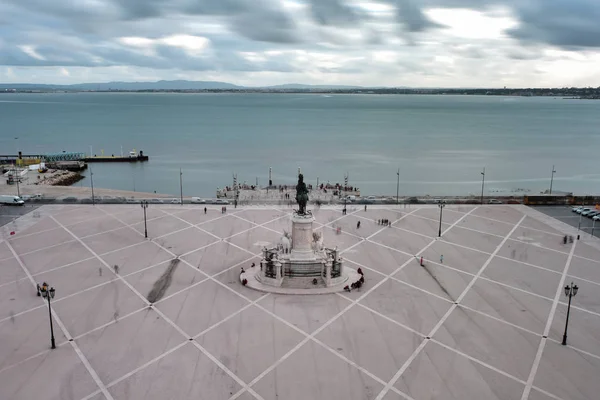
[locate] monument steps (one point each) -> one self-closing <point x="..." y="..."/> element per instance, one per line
<point x="302" y="283"/>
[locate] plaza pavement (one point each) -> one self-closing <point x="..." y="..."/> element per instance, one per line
<point x="486" y="323"/>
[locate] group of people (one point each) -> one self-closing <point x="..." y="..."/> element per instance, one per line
<point x="357" y="284"/>
<point x="569" y="238"/>
<point x="384" y="221"/>
<point x="243" y="275"/>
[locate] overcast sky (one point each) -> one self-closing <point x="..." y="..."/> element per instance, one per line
<point x="448" y="43"/>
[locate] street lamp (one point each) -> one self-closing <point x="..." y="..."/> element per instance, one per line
<point x="181" y="185"/>
<point x="48" y="294"/>
<point x="552" y="178"/>
<point x="92" y="183"/>
<point x="482" y="183"/>
<point x="397" y="185"/>
<point x="569" y="291"/>
<point x="144" y="204"/>
<point x="441" y="205"/>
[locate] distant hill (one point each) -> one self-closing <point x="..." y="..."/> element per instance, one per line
<point x="301" y="86"/>
<point x="161" y="85"/>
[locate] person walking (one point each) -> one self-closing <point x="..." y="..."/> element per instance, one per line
<point x="422" y="261"/>
<point x="204" y="210"/>
<point x="358" y="225"/>
<point x="441" y="259"/>
<point x="365" y="207"/>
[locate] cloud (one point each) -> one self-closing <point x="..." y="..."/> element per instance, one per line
<point x="261" y="42"/>
<point x="563" y="23"/>
<point x="334" y="12"/>
<point x="412" y="18"/>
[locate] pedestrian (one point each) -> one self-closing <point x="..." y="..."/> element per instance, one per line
<point x="565" y="240"/>
<point x="421" y="261"/>
<point x="358" y="225"/>
<point x="365" y="207"/>
<point x="116" y="268"/>
<point x="441" y="259"/>
<point x="204" y="210"/>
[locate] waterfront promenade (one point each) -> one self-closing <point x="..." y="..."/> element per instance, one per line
<point x="162" y="317"/>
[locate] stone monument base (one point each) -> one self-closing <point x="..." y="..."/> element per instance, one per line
<point x="298" y="285"/>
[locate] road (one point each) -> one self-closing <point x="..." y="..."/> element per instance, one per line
<point x="564" y="214"/>
<point x="9" y="213"/>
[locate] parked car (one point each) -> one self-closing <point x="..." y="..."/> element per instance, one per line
<point x="176" y="201"/>
<point x="576" y="208"/>
<point x="494" y="201"/>
<point x="198" y="200"/>
<point x="70" y="200"/>
<point x="587" y="211"/>
<point x="87" y="200"/>
<point x="132" y="201"/>
<point x="156" y="201"/>
<point x="596" y="217"/>
<point x="582" y="210"/>
<point x="221" y="201"/>
<point x="592" y="213"/>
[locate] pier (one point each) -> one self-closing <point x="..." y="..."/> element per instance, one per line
<point x="32" y="159"/>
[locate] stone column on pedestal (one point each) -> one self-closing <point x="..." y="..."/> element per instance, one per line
<point x="302" y="237"/>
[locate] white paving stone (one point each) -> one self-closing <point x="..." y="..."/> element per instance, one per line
<point x="140" y="352"/>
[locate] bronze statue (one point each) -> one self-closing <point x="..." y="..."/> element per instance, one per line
<point x="301" y="195"/>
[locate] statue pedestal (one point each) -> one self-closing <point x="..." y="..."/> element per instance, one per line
<point x="302" y="238"/>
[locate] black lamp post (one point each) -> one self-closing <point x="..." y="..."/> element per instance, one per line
<point x="552" y="179"/>
<point x="144" y="204"/>
<point x="92" y="184"/>
<point x="569" y="291"/>
<point x="441" y="205"/>
<point x="482" y="183"/>
<point x="48" y="294"/>
<point x="397" y="185"/>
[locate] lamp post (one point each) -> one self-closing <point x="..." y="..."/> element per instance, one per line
<point x="593" y="225"/>
<point x="181" y="186"/>
<point x="144" y="204"/>
<point x="48" y="294"/>
<point x="92" y="183"/>
<point x="397" y="185"/>
<point x="441" y="205"/>
<point x="579" y="224"/>
<point x="482" y="183"/>
<point x="552" y="178"/>
<point x="17" y="172"/>
<point x="569" y="291"/>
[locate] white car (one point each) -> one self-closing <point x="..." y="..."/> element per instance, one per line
<point x="494" y="201"/>
<point x="591" y="214"/>
<point x="156" y="201"/>
<point x="198" y="200"/>
<point x="576" y="208"/>
<point x="596" y="217"/>
<point x="582" y="210"/>
<point x="175" y="201"/>
<point x="221" y="201"/>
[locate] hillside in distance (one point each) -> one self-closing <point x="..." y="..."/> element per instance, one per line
<point x="162" y="85"/>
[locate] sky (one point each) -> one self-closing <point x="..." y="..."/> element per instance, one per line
<point x="416" y="43"/>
